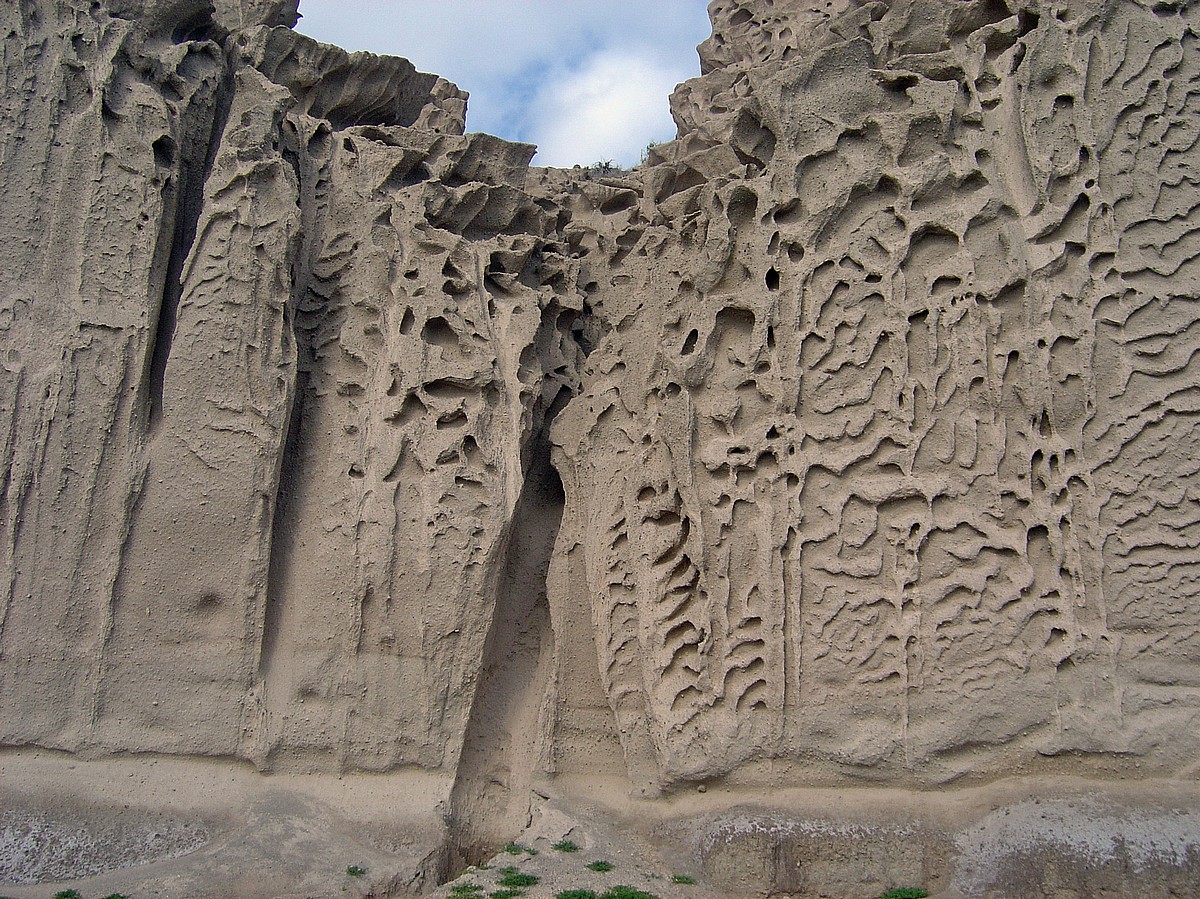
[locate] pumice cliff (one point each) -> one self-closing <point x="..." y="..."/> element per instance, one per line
<point x="888" y="339"/>
<point x="851" y="440"/>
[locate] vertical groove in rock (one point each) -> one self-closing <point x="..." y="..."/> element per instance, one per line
<point x="213" y="465"/>
<point x="196" y="151"/>
<point x="308" y="147"/>
<point x="506" y="734"/>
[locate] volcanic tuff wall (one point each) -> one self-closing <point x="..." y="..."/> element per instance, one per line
<point x="856" y="434"/>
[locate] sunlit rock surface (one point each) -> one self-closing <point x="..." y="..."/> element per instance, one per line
<point x="852" y="438"/>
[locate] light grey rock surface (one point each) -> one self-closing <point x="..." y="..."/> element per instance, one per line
<point x="851" y="439"/>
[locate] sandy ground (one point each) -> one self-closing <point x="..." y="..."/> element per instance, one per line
<point x="276" y="836"/>
<point x="145" y="827"/>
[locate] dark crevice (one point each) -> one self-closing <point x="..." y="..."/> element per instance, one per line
<point x="310" y="169"/>
<point x="490" y="801"/>
<point x="586" y="331"/>
<point x="280" y="559"/>
<point x="195" y="164"/>
<point x="200" y="27"/>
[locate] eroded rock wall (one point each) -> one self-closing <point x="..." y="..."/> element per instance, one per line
<point x="853" y="435"/>
<point x="871" y="468"/>
<point x="196" y="316"/>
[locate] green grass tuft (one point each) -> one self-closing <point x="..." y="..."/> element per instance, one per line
<point x="682" y="878"/>
<point x="576" y="894"/>
<point x="511" y="877"/>
<point x="355" y="870"/>
<point x="518" y="849"/>
<point x="67" y="894"/>
<point x="601" y="865"/>
<point x="905" y="893"/>
<point x="466" y="889"/>
<point x="626" y="892"/>
<point x="116" y="896"/>
<point x="504" y="894"/>
<point x="565" y="846"/>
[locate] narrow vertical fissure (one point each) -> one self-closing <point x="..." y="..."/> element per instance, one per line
<point x="309" y="159"/>
<point x="490" y="799"/>
<point x="280" y="558"/>
<point x="195" y="164"/>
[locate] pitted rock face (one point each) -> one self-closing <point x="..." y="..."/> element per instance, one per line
<point x="236" y="14"/>
<point x="853" y="435"/>
<point x="871" y="398"/>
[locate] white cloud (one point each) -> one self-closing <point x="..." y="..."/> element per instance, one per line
<point x="609" y="110"/>
<point x="514" y="56"/>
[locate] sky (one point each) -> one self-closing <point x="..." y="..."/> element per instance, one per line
<point x="585" y="80"/>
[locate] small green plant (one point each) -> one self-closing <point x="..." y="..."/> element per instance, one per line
<point x="905" y="893"/>
<point x="466" y="890"/>
<point x="518" y="849"/>
<point x="565" y="846"/>
<point x="67" y="894"/>
<point x="511" y="877"/>
<point x="504" y="894"/>
<point x="576" y="894"/>
<point x="355" y="870"/>
<point x="116" y="896"/>
<point x="682" y="878"/>
<point x="601" y="865"/>
<point x="625" y="892"/>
